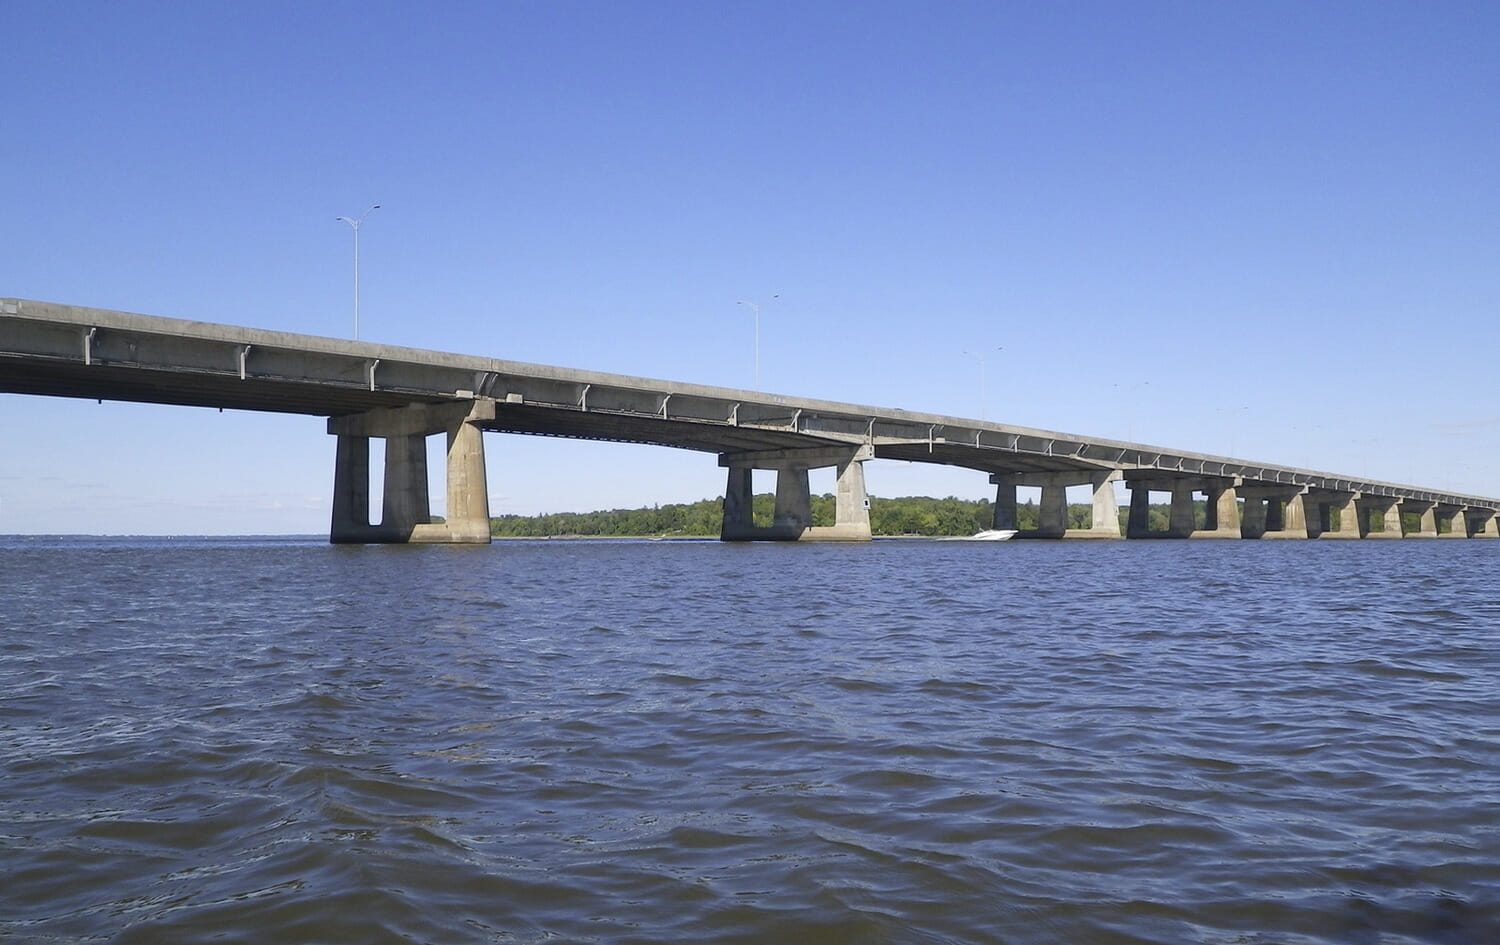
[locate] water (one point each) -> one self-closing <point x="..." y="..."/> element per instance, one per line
<point x="905" y="742"/>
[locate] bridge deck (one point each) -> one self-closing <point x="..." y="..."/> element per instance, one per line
<point x="66" y="351"/>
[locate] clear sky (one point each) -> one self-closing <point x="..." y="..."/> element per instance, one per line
<point x="1264" y="229"/>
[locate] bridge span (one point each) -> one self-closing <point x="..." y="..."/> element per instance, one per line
<point x="404" y="395"/>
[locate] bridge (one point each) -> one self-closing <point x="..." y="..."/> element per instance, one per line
<point x="404" y="395"/>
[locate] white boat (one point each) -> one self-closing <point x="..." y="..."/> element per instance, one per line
<point x="989" y="534"/>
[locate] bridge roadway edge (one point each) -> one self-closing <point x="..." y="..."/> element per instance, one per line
<point x="57" y="350"/>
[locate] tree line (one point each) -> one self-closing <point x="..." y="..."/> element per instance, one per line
<point x="906" y="515"/>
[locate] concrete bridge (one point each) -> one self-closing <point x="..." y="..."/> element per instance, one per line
<point x="405" y="395"/>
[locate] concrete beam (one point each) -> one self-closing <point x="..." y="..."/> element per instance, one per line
<point x="413" y="419"/>
<point x="811" y="458"/>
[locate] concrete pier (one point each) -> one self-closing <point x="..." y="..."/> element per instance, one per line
<point x="1301" y="517"/>
<point x="1342" y="507"/>
<point x="1223" y="519"/>
<point x="1453" y="516"/>
<point x="1266" y="512"/>
<point x="1390" y="516"/>
<point x="1052" y="517"/>
<point x="406" y="515"/>
<point x="792" y="519"/>
<point x="1222" y="514"/>
<point x="1483" y="523"/>
<point x="1426" y="513"/>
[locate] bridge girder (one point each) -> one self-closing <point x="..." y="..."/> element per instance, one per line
<point x="57" y="350"/>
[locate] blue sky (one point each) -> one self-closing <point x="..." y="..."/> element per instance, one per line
<point x="1269" y="229"/>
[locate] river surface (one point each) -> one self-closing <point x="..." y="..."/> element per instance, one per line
<point x="283" y="741"/>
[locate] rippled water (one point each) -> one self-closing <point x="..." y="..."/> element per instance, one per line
<point x="913" y="742"/>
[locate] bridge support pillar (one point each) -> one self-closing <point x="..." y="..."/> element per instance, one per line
<point x="1139" y="523"/>
<point x="1221" y="517"/>
<point x="792" y="519"/>
<point x="1005" y="503"/>
<point x="1272" y="512"/>
<point x="1053" y="514"/>
<point x="1352" y="521"/>
<point x="1483" y="524"/>
<point x="1302" y="517"/>
<point x="405" y="512"/>
<point x="1223" y="514"/>
<point x="1180" y="519"/>
<point x="1254" y="520"/>
<point x="1457" y="521"/>
<point x="1390" y="516"/>
<point x="1105" y="513"/>
<point x="1426" y="517"/>
<point x="1318" y="508"/>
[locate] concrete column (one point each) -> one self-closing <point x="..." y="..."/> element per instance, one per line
<point x="468" y="496"/>
<point x="1298" y="520"/>
<point x="1254" y="523"/>
<point x="739" y="502"/>
<point x="1053" y="514"/>
<point x="1005" y="502"/>
<point x="1393" y="521"/>
<point x="351" y="490"/>
<point x="405" y="503"/>
<point x="1181" y="523"/>
<point x="1139" y="523"/>
<point x="1105" y="521"/>
<point x="852" y="509"/>
<point x="793" y="498"/>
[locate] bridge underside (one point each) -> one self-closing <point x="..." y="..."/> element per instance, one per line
<point x="136" y="385"/>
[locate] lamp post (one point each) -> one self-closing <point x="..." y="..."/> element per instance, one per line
<point x="755" y="307"/>
<point x="983" y="356"/>
<point x="1233" y="412"/>
<point x="1128" y="390"/>
<point x="354" y="225"/>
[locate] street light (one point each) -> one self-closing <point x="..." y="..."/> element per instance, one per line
<point x="354" y="225"/>
<point x="1233" y="413"/>
<point x="983" y="356"/>
<point x="755" y="307"/>
<point x="1128" y="390"/>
